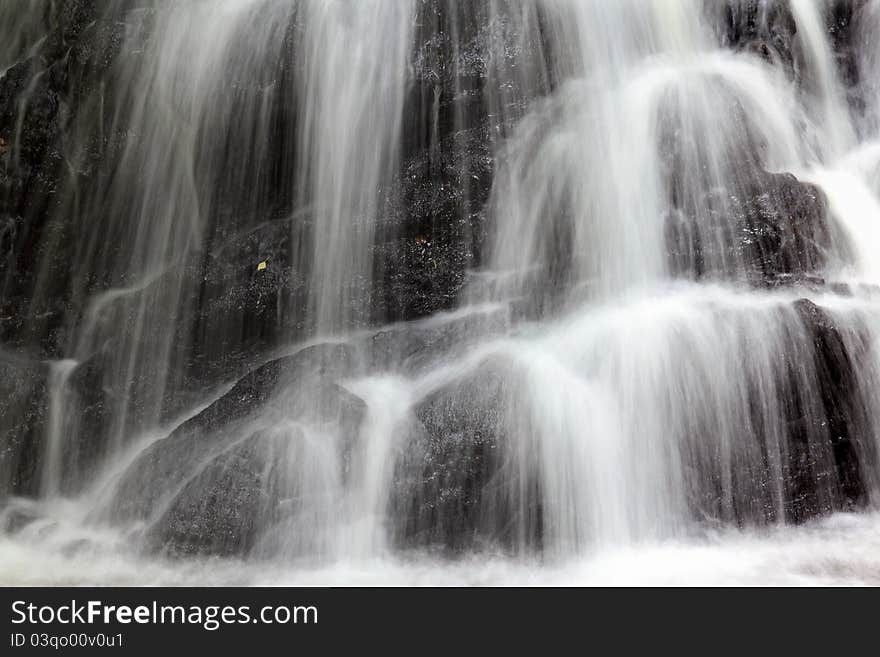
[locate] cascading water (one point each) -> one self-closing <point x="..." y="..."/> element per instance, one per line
<point x="515" y="290"/>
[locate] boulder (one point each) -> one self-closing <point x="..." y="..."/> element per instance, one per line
<point x="222" y="508"/>
<point x="824" y="439"/>
<point x="222" y="502"/>
<point x="765" y="29"/>
<point x="294" y="386"/>
<point x="775" y="231"/>
<point x="23" y="408"/>
<point x="838" y="351"/>
<point x="454" y="490"/>
<point x="413" y="347"/>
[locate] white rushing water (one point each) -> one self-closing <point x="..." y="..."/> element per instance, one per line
<point x="352" y="97"/>
<point x="654" y="384"/>
<point x="840" y="551"/>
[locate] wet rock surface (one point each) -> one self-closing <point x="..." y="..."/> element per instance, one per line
<point x="464" y="482"/>
<point x="219" y="470"/>
<point x="461" y="459"/>
<point x="436" y="228"/>
<point x="816" y="462"/>
<point x="764" y="29"/>
<point x="839" y="350"/>
<point x="49" y="90"/>
<point x="455" y="491"/>
<point x="221" y="509"/>
<point x="776" y="233"/>
<point x="23" y="407"/>
<point x="297" y="385"/>
<point x="225" y="499"/>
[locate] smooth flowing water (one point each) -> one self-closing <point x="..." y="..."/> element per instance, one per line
<point x="661" y="364"/>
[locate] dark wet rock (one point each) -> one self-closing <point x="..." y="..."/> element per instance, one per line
<point x="246" y="295"/>
<point x="219" y="499"/>
<point x="728" y="217"/>
<point x="422" y="274"/>
<point x="435" y="230"/>
<point x="16" y="518"/>
<point x="23" y="407"/>
<point x="25" y="413"/>
<point x="450" y="70"/>
<point x="244" y="283"/>
<point x="811" y="282"/>
<point x="56" y="104"/>
<point x="299" y="387"/>
<point x="454" y="118"/>
<point x="765" y="29"/>
<point x="843" y="18"/>
<point x="44" y="97"/>
<point x="768" y="30"/>
<point x="222" y="508"/>
<point x="414" y="346"/>
<point x="87" y="415"/>
<point x="838" y="350"/>
<point x="26" y="191"/>
<point x="454" y="489"/>
<point x="459" y="47"/>
<point x="824" y="439"/>
<point x="776" y="232"/>
<point x="786" y="227"/>
<point x="256" y="388"/>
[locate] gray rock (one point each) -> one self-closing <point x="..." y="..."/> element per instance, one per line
<point x="295" y="386"/>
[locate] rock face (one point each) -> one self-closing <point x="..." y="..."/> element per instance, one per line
<point x="454" y="491"/>
<point x="42" y="97"/>
<point x="244" y="284"/>
<point x="766" y="29"/>
<point x="468" y="479"/>
<point x="221" y="510"/>
<point x="786" y="228"/>
<point x="838" y="352"/>
<point x="777" y="234"/>
<point x="435" y="229"/>
<point x="218" y="480"/>
<point x="209" y="485"/>
<point x="23" y="407"/>
<point x="824" y="459"/>
<point x="58" y="104"/>
<point x="843" y="20"/>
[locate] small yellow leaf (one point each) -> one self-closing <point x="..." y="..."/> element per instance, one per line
<point x="262" y="265"/>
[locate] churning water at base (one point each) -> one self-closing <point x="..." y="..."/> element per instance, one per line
<point x="662" y="368"/>
<point x="838" y="551"/>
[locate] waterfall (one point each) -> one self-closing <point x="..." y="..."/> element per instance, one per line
<point x="315" y="286"/>
<point x="352" y="95"/>
<point x="57" y="426"/>
<point x="23" y="29"/>
<point x="819" y="63"/>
